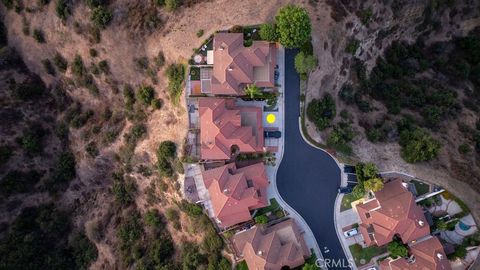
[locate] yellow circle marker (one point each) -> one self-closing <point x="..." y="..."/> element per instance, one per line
<point x="270" y="118"/>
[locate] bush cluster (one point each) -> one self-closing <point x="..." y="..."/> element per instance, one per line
<point x="321" y="111"/>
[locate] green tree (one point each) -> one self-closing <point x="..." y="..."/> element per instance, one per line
<point x="418" y="145"/>
<point x="321" y="112"/>
<point x="268" y="31"/>
<point x="397" y="249"/>
<point x="304" y="63"/>
<point x="293" y="26"/>
<point x="441" y="225"/>
<point x="153" y="218"/>
<point x="374" y="184"/>
<point x="252" y="91"/>
<point x="262" y="219"/>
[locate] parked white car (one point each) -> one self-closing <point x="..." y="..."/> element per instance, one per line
<point x="350" y="232"/>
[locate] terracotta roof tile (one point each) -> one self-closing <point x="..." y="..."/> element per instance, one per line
<point x="272" y="247"/>
<point x="221" y="128"/>
<point x="393" y="211"/>
<point x="231" y="198"/>
<point x="234" y="64"/>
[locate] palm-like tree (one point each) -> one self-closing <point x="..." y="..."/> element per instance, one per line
<point x="252" y="91"/>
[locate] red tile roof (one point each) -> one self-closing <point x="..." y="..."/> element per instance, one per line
<point x="272" y="248"/>
<point x="392" y="212"/>
<point x="235" y="191"/>
<point x="235" y="66"/>
<point x="223" y="125"/>
<point x="424" y="255"/>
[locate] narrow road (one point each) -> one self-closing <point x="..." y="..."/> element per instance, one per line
<point x="308" y="178"/>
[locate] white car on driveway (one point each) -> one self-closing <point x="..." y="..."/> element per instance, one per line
<point x="350" y="233"/>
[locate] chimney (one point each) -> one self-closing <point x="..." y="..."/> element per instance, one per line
<point x="421" y="223"/>
<point x="440" y="256"/>
<point x="225" y="191"/>
<point x="260" y="253"/>
<point x="230" y="69"/>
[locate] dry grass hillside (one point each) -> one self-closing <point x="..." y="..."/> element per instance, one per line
<point x="363" y="30"/>
<point x="117" y="193"/>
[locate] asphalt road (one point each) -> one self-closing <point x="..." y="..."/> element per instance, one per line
<point x="308" y="178"/>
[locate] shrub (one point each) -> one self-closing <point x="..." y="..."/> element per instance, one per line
<point x="156" y="104"/>
<point x="48" y="67"/>
<point x="172" y="5"/>
<point x="373" y="184"/>
<point x="321" y="112"/>
<point x="128" y="96"/>
<point x="101" y="17"/>
<point x="93" y="52"/>
<point x="352" y="46"/>
<point x="212" y="243"/>
<point x="153" y="218"/>
<point x="191" y="257"/>
<point x="104" y="67"/>
<point x="91" y="149"/>
<point x="366" y="16"/>
<point x="63" y="172"/>
<point x="124" y="189"/>
<point x="96" y="3"/>
<point x="347" y="94"/>
<point x="159" y="59"/>
<point x="191" y="209"/>
<point x="268" y="31"/>
<point x="304" y="64"/>
<point x="339" y="138"/>
<point x="200" y="33"/>
<point x="262" y="219"/>
<point x="38" y="35"/>
<point x="32" y="139"/>
<point x="19" y="182"/>
<point x="60" y="62"/>
<point x="397" y="249"/>
<point x="418" y="145"/>
<point x="293" y="26"/>
<point x="84" y="251"/>
<point x="167" y="149"/>
<point x="6" y="153"/>
<point x="62" y="9"/>
<point x="78" y="69"/>
<point x="176" y="75"/>
<point x="28" y="91"/>
<point x="145" y="93"/>
<point x="464" y="149"/>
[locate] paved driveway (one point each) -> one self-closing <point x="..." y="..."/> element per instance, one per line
<point x="308" y="178"/>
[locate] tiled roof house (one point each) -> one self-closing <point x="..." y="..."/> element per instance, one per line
<point x="424" y="255"/>
<point x="271" y="248"/>
<point x="392" y="212"/>
<point x="235" y="191"/>
<point x="223" y="125"/>
<point x="235" y="66"/>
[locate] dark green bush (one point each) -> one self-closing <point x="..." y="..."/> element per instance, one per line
<point x="32" y="139"/>
<point x="60" y="62"/>
<point x="104" y="67"/>
<point x="418" y="145"/>
<point x="84" y="251"/>
<point x="6" y="153"/>
<point x="124" y="189"/>
<point x="62" y="8"/>
<point x="92" y="149"/>
<point x="146" y="93"/>
<point x="19" y="182"/>
<point x="48" y="67"/>
<point x="63" y="172"/>
<point x="38" y="35"/>
<point x="101" y="17"/>
<point x="172" y="5"/>
<point x="321" y="112"/>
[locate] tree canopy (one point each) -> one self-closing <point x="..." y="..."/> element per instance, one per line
<point x="305" y="63"/>
<point x="418" y="145"/>
<point x="293" y="26"/>
<point x="321" y="112"/>
<point x="397" y="249"/>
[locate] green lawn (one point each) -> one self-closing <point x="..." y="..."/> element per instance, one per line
<point x="273" y="207"/>
<point x="421" y="187"/>
<point x="347" y="201"/>
<point x="363" y="256"/>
